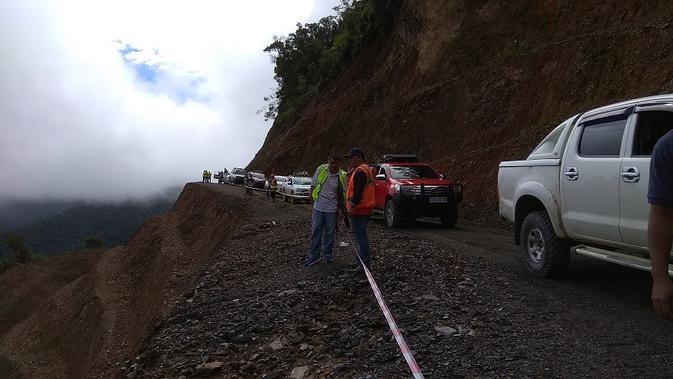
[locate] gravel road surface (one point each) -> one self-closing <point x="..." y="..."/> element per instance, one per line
<point x="460" y="296"/>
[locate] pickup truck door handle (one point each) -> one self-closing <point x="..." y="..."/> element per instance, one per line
<point x="571" y="173"/>
<point x="630" y="175"/>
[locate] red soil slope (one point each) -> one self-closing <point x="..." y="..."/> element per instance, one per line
<point x="89" y="325"/>
<point x="467" y="84"/>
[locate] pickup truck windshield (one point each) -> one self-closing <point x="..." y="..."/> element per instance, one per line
<point x="257" y="175"/>
<point x="413" y="172"/>
<point x="238" y="171"/>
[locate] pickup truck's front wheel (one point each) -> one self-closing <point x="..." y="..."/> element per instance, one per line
<point x="544" y="254"/>
<point x="393" y="214"/>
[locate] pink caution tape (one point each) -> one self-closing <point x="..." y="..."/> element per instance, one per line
<point x="404" y="348"/>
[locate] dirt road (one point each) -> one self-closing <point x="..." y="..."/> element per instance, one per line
<point x="460" y="296"/>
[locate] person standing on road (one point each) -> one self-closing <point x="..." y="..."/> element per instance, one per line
<point x="328" y="192"/>
<point x="660" y="227"/>
<point x="273" y="187"/>
<point x="360" y="201"/>
<point x="247" y="183"/>
<point x="204" y="176"/>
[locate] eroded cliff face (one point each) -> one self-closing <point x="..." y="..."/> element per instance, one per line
<point x="91" y="317"/>
<point x="466" y="84"/>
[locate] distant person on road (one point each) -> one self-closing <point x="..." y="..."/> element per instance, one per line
<point x="660" y="228"/>
<point x="360" y="201"/>
<point x="248" y="183"/>
<point x="328" y="192"/>
<point x="273" y="187"/>
<point x="204" y="176"/>
<point x="210" y="176"/>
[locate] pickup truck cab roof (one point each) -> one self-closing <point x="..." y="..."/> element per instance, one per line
<point x="553" y="145"/>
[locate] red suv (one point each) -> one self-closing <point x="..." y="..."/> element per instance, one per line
<point x="407" y="190"/>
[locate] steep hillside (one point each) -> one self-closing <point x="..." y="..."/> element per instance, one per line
<point x="68" y="229"/>
<point x="17" y="213"/>
<point x="91" y="323"/>
<point x="466" y="84"/>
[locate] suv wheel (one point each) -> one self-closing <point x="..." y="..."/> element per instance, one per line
<point x="450" y="217"/>
<point x="543" y="253"/>
<point x="393" y="214"/>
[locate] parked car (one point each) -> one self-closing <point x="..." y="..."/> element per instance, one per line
<point x="296" y="189"/>
<point x="221" y="176"/>
<point x="280" y="180"/>
<point x="256" y="180"/>
<point x="407" y="190"/>
<point x="236" y="176"/>
<point x="584" y="187"/>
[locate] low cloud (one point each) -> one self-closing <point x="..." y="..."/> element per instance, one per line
<point x="123" y="99"/>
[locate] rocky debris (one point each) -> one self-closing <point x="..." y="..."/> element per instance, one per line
<point x="260" y="313"/>
<point x="276" y="345"/>
<point x="460" y="330"/>
<point x="207" y="368"/>
<point x="299" y="372"/>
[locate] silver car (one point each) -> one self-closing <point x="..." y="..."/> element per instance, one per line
<point x="296" y="189"/>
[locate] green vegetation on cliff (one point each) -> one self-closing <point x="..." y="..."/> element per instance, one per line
<point x="311" y="57"/>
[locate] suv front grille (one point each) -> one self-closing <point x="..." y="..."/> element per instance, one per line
<point x="434" y="190"/>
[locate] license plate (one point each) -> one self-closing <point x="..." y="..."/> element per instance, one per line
<point x="441" y="199"/>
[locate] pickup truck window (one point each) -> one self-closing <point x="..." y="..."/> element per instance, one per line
<point x="649" y="128"/>
<point x="412" y="172"/>
<point x="603" y="137"/>
<point x="549" y="143"/>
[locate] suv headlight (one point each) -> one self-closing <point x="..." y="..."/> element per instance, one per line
<point x="404" y="189"/>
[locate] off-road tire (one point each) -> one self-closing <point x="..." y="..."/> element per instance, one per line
<point x="450" y="217"/>
<point x="543" y="253"/>
<point x="393" y="214"/>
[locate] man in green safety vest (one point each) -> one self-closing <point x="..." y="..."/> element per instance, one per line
<point x="328" y="192"/>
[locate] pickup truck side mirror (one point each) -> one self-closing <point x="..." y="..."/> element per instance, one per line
<point x="441" y="176"/>
<point x="289" y="182"/>
<point x="381" y="177"/>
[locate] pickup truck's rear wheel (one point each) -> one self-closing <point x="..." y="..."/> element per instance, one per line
<point x="543" y="253"/>
<point x="450" y="217"/>
<point x="393" y="214"/>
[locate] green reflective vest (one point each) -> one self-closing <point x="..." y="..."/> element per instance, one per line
<point x="323" y="174"/>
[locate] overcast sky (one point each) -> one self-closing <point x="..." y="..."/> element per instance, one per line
<point x="106" y="100"/>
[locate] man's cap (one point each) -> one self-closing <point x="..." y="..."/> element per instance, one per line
<point x="355" y="151"/>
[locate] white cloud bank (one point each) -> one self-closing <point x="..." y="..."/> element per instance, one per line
<point x="78" y="120"/>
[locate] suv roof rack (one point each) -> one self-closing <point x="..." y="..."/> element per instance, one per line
<point x="407" y="158"/>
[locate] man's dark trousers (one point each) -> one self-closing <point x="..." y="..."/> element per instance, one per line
<point x="359" y="224"/>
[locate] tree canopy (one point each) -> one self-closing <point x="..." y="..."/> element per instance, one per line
<point x="311" y="57"/>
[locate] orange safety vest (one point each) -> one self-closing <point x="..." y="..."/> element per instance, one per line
<point x="367" y="202"/>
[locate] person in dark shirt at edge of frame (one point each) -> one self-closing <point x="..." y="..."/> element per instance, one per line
<point x="660" y="226"/>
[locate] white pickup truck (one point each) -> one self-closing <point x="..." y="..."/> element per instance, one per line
<point x="584" y="187"/>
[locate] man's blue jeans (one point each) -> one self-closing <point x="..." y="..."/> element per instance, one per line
<point x="359" y="225"/>
<point x="322" y="221"/>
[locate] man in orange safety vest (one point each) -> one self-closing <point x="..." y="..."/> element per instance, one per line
<point x="360" y="201"/>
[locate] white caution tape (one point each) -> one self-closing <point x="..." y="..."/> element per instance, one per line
<point x="404" y="348"/>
